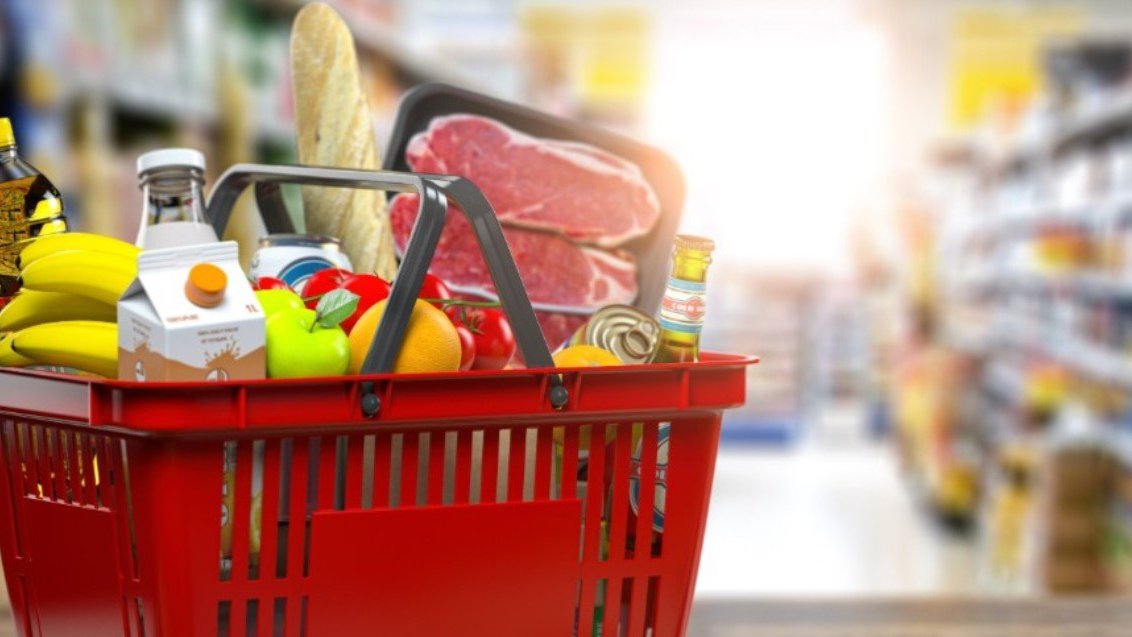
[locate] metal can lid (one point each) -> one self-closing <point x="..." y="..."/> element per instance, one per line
<point x="323" y="242"/>
<point x="624" y="330"/>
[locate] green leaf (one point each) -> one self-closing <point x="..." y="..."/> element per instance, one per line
<point x="334" y="307"/>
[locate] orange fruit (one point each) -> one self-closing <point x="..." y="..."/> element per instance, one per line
<point x="585" y="356"/>
<point x="431" y="343"/>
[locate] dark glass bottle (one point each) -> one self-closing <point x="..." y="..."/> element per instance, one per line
<point x="28" y="201"/>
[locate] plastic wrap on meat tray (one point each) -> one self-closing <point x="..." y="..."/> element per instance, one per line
<point x="556" y="272"/>
<point x="581" y="191"/>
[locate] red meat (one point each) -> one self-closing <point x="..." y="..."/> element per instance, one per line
<point x="556" y="272"/>
<point x="578" y="190"/>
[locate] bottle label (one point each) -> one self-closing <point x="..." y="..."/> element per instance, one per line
<point x="684" y="306"/>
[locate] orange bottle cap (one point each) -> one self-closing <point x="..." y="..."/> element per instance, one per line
<point x="206" y="284"/>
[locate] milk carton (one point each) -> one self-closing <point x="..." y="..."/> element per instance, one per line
<point x="191" y="315"/>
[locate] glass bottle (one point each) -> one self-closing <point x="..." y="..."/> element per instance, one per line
<point x="28" y="202"/>
<point x="684" y="305"/>
<point x="172" y="183"/>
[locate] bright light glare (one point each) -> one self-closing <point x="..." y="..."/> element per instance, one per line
<point x="778" y="122"/>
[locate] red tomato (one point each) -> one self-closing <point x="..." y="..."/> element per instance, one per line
<point x="454" y="313"/>
<point x="370" y="289"/>
<point x="467" y="347"/>
<point x="495" y="343"/>
<point x="434" y="289"/>
<point x="270" y="283"/>
<point x="322" y="282"/>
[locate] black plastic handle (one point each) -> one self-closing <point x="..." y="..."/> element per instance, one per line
<point x="434" y="191"/>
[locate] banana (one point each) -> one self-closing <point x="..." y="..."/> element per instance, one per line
<point x="48" y="244"/>
<point x="97" y="275"/>
<point x="89" y="346"/>
<point x="8" y="357"/>
<point x="52" y="227"/>
<point x="31" y="307"/>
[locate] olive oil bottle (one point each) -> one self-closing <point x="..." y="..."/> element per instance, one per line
<point x="29" y="202"/>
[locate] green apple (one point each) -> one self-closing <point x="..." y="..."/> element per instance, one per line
<point x="275" y="300"/>
<point x="299" y="346"/>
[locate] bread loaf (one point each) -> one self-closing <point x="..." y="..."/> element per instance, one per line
<point x="334" y="128"/>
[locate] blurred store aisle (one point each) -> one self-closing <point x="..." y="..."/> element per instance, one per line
<point x="831" y="517"/>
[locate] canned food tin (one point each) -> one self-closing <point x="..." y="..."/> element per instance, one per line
<point x="293" y="258"/>
<point x="661" y="479"/>
<point x="629" y="333"/>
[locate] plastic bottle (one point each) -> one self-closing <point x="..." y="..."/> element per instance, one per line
<point x="172" y="183"/>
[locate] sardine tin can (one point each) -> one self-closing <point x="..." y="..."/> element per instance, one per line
<point x="629" y="333"/>
<point x="293" y="258"/>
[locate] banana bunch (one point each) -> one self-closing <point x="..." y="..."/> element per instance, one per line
<point x="65" y="313"/>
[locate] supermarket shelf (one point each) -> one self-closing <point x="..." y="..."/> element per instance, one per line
<point x="1089" y="359"/>
<point x="1091" y="285"/>
<point x="150" y="99"/>
<point x="1110" y="117"/>
<point x="1098" y="122"/>
<point x="1026" y="221"/>
<point x="1023" y="222"/>
<point x="384" y="41"/>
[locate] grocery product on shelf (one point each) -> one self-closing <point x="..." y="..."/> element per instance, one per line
<point x="630" y="334"/>
<point x="294" y="258"/>
<point x="334" y="128"/>
<point x="1118" y="532"/>
<point x="1075" y="497"/>
<point x="1011" y="511"/>
<point x="28" y="203"/>
<point x="190" y="314"/>
<point x="172" y="184"/>
<point x="684" y="306"/>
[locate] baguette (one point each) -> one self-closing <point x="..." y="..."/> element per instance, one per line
<point x="334" y="128"/>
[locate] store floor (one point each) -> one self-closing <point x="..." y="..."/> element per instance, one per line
<point x="830" y="517"/>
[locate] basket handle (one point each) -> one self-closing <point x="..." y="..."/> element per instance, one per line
<point x="434" y="191"/>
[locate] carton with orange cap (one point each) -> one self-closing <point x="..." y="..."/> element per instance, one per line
<point x="190" y="315"/>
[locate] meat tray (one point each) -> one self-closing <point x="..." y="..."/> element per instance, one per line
<point x="652" y="251"/>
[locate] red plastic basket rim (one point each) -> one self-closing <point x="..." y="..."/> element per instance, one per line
<point x="707" y="360"/>
<point x="240" y="408"/>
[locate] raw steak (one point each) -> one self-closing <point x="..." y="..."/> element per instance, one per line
<point x="555" y="271"/>
<point x="581" y="191"/>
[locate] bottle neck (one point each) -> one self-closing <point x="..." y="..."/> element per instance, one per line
<point x="174" y="196"/>
<point x="8" y="153"/>
<point x="691" y="266"/>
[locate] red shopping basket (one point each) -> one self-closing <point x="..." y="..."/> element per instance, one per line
<point x="478" y="503"/>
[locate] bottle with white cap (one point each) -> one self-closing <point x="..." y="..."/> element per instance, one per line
<point x="172" y="183"/>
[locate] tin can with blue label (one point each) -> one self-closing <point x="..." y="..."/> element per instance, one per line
<point x="660" y="478"/>
<point x="293" y="258"/>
